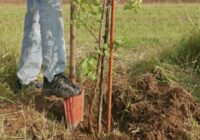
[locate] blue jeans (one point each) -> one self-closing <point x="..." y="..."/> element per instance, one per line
<point x="43" y="42"/>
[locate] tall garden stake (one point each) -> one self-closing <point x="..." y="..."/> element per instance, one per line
<point x="109" y="99"/>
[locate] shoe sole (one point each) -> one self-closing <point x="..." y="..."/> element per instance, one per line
<point x="49" y="93"/>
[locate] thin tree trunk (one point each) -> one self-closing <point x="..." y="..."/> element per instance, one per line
<point x="97" y="70"/>
<point x="72" y="42"/>
<point x="102" y="66"/>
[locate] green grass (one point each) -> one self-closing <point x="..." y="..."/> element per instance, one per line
<point x="159" y="24"/>
<point x="181" y="63"/>
<point x="194" y="135"/>
<point x="146" y="34"/>
<point x="154" y="25"/>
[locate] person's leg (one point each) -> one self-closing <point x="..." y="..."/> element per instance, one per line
<point x="53" y="51"/>
<point x="31" y="52"/>
<point x="53" y="41"/>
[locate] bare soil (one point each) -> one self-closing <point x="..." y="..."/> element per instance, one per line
<point x="152" y="111"/>
<point x="157" y="112"/>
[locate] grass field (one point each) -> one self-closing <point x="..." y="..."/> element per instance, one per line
<point x="157" y="24"/>
<point x="151" y="37"/>
<point x="154" y="28"/>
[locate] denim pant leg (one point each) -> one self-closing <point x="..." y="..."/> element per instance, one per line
<point x="31" y="52"/>
<point x="53" y="41"/>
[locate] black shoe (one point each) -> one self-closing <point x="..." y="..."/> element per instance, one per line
<point x="60" y="87"/>
<point x="34" y="85"/>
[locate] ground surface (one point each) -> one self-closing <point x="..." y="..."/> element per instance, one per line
<point x="156" y="112"/>
<point x="145" y="106"/>
<point x="159" y="112"/>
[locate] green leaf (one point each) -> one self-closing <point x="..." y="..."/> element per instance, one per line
<point x="92" y="62"/>
<point x="107" y="53"/>
<point x="118" y="43"/>
<point x="133" y="5"/>
<point x="85" y="66"/>
<point x="106" y="46"/>
<point x="91" y="75"/>
<point x="99" y="52"/>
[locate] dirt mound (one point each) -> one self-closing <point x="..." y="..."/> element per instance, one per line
<point x="150" y="111"/>
<point x="155" y="111"/>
